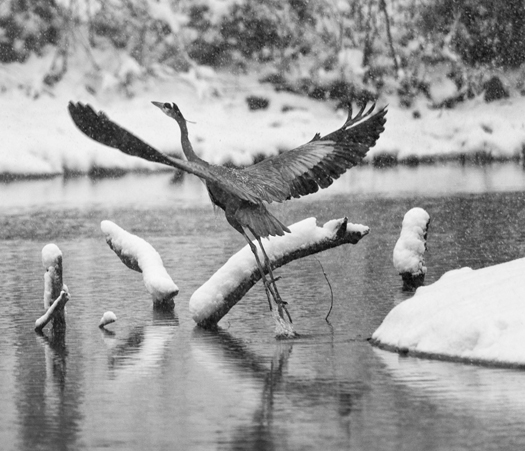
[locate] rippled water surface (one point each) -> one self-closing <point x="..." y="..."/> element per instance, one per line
<point x="154" y="381"/>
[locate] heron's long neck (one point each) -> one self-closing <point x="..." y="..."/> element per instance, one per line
<point x="187" y="148"/>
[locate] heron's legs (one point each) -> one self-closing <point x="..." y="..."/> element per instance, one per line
<point x="267" y="288"/>
<point x="270" y="287"/>
<point x="280" y="302"/>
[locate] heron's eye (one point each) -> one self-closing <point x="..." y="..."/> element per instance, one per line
<point x="167" y="105"/>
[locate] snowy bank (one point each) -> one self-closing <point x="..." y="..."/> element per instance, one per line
<point x="233" y="280"/>
<point x="469" y="315"/>
<point x="473" y="130"/>
<point x="39" y="138"/>
<point x="137" y="254"/>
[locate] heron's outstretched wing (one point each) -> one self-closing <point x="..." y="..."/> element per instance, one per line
<point x="303" y="170"/>
<point x="100" y="128"/>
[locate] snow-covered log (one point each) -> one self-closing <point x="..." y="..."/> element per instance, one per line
<point x="232" y="281"/>
<point x="56" y="293"/>
<point x="410" y="248"/>
<point x="137" y="254"/>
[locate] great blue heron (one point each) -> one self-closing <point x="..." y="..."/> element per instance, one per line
<point x="241" y="193"/>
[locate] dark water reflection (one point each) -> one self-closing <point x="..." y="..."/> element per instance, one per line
<point x="154" y="381"/>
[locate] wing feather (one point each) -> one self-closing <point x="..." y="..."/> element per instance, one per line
<point x="323" y="159"/>
<point x="295" y="173"/>
<point x="99" y="127"/>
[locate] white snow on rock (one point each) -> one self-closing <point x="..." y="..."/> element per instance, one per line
<point x="136" y="253"/>
<point x="107" y="318"/>
<point x="209" y="297"/>
<point x="476" y="315"/>
<point x="50" y="255"/>
<point x="410" y="248"/>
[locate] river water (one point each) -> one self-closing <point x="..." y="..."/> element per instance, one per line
<point x="153" y="380"/>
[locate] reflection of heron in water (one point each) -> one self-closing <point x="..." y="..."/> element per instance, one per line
<point x="241" y="193"/>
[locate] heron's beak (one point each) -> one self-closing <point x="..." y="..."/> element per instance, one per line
<point x="161" y="105"/>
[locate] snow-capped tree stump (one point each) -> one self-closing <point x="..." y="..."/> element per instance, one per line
<point x="56" y="293"/>
<point x="232" y="281"/>
<point x="409" y="251"/>
<point x="138" y="255"/>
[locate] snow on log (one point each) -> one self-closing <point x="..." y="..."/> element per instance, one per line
<point x="137" y="254"/>
<point x="107" y="318"/>
<point x="410" y="248"/>
<point x="232" y="281"/>
<point x="469" y="315"/>
<point x="53" y="288"/>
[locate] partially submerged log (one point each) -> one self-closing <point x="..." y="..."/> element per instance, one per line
<point x="232" y="281"/>
<point x="138" y="255"/>
<point x="409" y="251"/>
<point x="56" y="293"/>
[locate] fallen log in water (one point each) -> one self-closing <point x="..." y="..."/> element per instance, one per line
<point x="138" y="255"/>
<point x="232" y="281"/>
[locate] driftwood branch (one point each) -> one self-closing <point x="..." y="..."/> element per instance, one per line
<point x="54" y="312"/>
<point x="230" y="283"/>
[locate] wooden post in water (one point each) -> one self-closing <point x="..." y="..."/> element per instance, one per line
<point x="56" y="293"/>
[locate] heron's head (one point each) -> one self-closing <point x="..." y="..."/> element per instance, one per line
<point x="171" y="110"/>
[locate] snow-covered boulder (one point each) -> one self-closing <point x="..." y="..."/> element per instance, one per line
<point x="107" y="318"/>
<point x="473" y="315"/>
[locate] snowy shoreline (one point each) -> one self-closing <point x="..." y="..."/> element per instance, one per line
<point x="443" y="357"/>
<point x="39" y="138"/>
<point x="472" y="316"/>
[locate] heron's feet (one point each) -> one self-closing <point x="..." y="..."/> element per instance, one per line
<point x="273" y="293"/>
<point x="281" y="305"/>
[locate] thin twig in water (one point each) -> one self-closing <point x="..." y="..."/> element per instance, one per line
<point x="331" y="291"/>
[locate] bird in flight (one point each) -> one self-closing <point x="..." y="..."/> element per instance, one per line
<point x="244" y="193"/>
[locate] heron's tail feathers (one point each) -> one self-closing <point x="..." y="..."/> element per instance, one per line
<point x="260" y="221"/>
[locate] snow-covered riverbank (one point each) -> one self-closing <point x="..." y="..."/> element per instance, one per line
<point x="468" y="315"/>
<point x="38" y="137"/>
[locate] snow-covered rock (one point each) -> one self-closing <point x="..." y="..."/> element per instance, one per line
<point x="473" y="315"/>
<point x="107" y="318"/>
